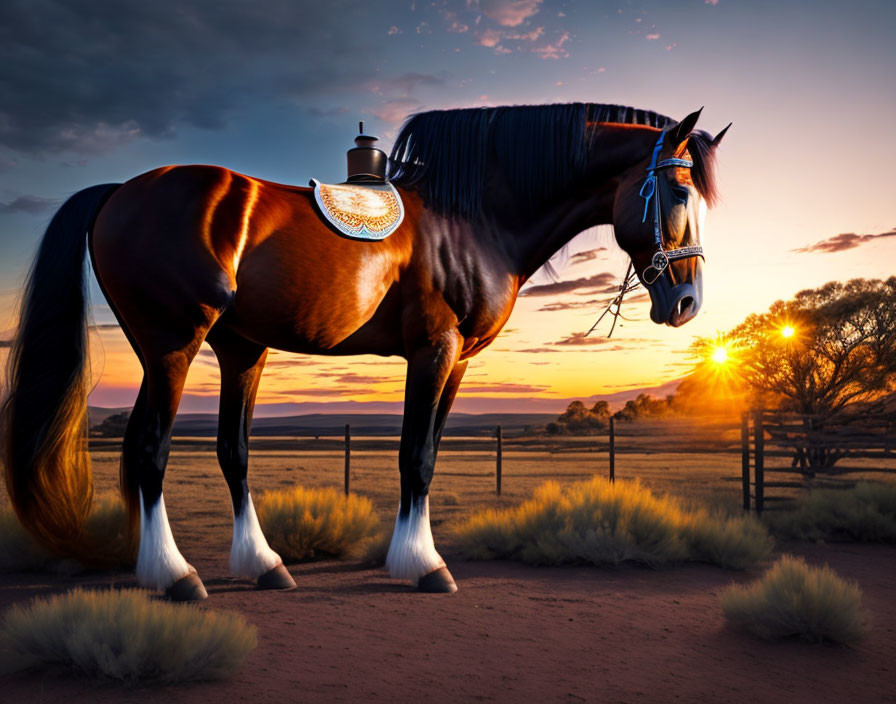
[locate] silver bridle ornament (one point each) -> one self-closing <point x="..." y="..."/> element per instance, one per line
<point x="660" y="260"/>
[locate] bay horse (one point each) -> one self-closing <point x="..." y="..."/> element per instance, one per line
<point x="186" y="254"/>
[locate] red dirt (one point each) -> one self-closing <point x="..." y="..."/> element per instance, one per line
<point x="512" y="633"/>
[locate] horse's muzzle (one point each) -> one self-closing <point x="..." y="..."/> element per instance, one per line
<point x="675" y="304"/>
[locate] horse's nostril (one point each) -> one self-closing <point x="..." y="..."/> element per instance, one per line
<point x="684" y="304"/>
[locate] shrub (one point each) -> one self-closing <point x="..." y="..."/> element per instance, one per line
<point x="303" y="524"/>
<point x="125" y="636"/>
<point x="106" y="542"/>
<point x="865" y="513"/>
<point x="598" y="522"/>
<point x="795" y="600"/>
<point x="375" y="550"/>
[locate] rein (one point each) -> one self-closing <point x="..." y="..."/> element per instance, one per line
<point x="661" y="258"/>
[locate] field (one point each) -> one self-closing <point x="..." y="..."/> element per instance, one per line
<point x="349" y="632"/>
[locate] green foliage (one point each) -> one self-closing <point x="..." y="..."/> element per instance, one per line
<point x="580" y="420"/>
<point x="598" y="522"/>
<point x="866" y="513"/>
<point x="304" y="524"/>
<point x="793" y="599"/>
<point x="106" y="542"/>
<point x="125" y="636"/>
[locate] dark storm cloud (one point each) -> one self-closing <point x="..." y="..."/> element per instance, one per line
<point x="33" y="205"/>
<point x="599" y="283"/>
<point x="88" y="76"/>
<point x="844" y="241"/>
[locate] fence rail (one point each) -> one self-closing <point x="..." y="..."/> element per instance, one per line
<point x="762" y="439"/>
<point x="814" y="446"/>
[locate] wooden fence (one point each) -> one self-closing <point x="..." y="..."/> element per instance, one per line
<point x="813" y="446"/>
<point x="778" y="451"/>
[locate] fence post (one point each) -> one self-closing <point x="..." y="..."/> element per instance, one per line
<point x="759" y="459"/>
<point x="498" y="463"/>
<point x="348" y="455"/>
<point x="612" y="450"/>
<point x="745" y="457"/>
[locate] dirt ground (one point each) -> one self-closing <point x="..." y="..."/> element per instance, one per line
<point x="512" y="633"/>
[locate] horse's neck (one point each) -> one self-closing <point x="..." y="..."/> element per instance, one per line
<point x="614" y="151"/>
<point x="551" y="230"/>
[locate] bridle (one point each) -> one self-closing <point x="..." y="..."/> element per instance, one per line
<point x="660" y="260"/>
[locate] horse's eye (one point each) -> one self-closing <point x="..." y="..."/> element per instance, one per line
<point x="680" y="194"/>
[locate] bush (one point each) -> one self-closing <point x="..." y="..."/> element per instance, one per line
<point x="106" y="542"/>
<point x="598" y="522"/>
<point x="866" y="513"/>
<point x="795" y="600"/>
<point x="303" y="524"/>
<point x="125" y="636"/>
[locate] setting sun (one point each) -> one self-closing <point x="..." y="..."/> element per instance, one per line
<point x="787" y="331"/>
<point x="720" y="355"/>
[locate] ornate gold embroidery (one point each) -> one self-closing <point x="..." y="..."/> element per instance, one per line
<point x="358" y="207"/>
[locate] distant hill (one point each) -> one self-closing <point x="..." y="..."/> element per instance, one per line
<point x="472" y="416"/>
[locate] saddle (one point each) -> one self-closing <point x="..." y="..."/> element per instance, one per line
<point x="361" y="211"/>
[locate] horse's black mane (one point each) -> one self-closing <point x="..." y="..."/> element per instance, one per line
<point x="541" y="149"/>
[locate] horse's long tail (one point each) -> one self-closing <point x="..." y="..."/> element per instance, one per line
<point x="44" y="417"/>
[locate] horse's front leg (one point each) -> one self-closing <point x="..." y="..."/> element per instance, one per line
<point x="412" y="553"/>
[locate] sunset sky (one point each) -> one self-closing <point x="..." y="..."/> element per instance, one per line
<point x="100" y="91"/>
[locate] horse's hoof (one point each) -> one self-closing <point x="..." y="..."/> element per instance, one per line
<point x="438" y="582"/>
<point x="276" y="578"/>
<point x="189" y="588"/>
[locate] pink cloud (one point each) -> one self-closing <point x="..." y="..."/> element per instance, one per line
<point x="651" y="37"/>
<point x="509" y="13"/>
<point x="490" y="38"/>
<point x="555" y="50"/>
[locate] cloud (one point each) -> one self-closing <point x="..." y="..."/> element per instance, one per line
<point x="536" y="350"/>
<point x="508" y="13"/>
<point x="586" y="256"/>
<point x="599" y="283"/>
<point x="844" y="241"/>
<point x="323" y="392"/>
<point x="505" y="388"/>
<point x="652" y="37"/>
<point x="395" y="110"/>
<point x="578" y="339"/>
<point x="569" y="305"/>
<point x="89" y="80"/>
<point x="555" y="50"/>
<point x="33" y="205"/>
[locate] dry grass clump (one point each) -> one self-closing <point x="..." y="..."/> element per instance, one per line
<point x="303" y="524"/>
<point x="793" y="600"/>
<point x="124" y="636"/>
<point x="106" y="542"/>
<point x="598" y="522"/>
<point x="865" y="513"/>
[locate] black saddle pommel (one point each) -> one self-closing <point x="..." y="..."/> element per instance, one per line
<point x="366" y="163"/>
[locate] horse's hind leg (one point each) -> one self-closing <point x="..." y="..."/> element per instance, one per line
<point x="160" y="564"/>
<point x="241" y="363"/>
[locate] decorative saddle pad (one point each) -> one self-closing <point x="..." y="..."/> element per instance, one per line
<point x="362" y="212"/>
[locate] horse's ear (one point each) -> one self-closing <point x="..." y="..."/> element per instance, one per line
<point x="718" y="138"/>
<point x="680" y="132"/>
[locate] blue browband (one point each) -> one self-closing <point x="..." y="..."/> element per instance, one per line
<point x="660" y="260"/>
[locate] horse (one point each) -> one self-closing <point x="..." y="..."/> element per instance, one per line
<point x="186" y="254"/>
